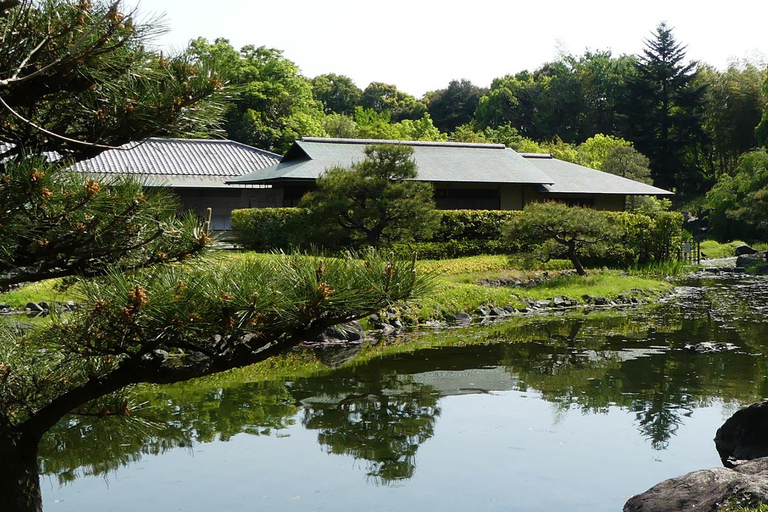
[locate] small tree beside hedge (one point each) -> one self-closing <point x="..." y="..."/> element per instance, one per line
<point x="555" y="228"/>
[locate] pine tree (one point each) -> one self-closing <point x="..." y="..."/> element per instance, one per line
<point x="665" y="113"/>
<point x="76" y="79"/>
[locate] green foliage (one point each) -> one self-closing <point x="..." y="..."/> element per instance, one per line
<point x="452" y="248"/>
<point x="596" y="151"/>
<point x="739" y="204"/>
<point x="382" y="97"/>
<point x="455" y="105"/>
<point x="56" y="225"/>
<point x="100" y="89"/>
<point x="733" y="105"/>
<point x="265" y="229"/>
<point x="340" y="126"/>
<point x="201" y="317"/>
<point x="649" y="237"/>
<point x="74" y="77"/>
<point x="274" y="104"/>
<point x="372" y="202"/>
<point x="337" y="93"/>
<point x="664" y="112"/>
<point x="761" y="132"/>
<point x="646" y="238"/>
<point x="570" y="228"/>
<point x="102" y="84"/>
<point x="472" y="224"/>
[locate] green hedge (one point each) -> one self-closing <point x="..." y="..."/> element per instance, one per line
<point x="473" y="232"/>
<point x="264" y="229"/>
<point x="472" y="224"/>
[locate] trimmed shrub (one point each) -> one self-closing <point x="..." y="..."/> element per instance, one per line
<point x="264" y="229"/>
<point x="472" y="224"/>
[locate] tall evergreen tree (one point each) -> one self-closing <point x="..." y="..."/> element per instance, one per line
<point x="664" y="111"/>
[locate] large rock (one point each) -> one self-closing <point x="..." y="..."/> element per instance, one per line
<point x="706" y="490"/>
<point x="744" y="436"/>
<point x="744" y="249"/>
<point x="746" y="260"/>
<point x="352" y="331"/>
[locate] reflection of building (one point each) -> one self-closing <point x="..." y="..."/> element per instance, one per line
<point x="465" y="176"/>
<point x="194" y="169"/>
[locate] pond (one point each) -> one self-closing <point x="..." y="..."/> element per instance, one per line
<point x="574" y="412"/>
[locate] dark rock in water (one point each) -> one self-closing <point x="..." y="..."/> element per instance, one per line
<point x="708" y="347"/>
<point x="746" y="260"/>
<point x="351" y="331"/>
<point x="463" y="318"/>
<point x="483" y="311"/>
<point x="498" y="312"/>
<point x="600" y="301"/>
<point x="34" y="307"/>
<point x="745" y="249"/>
<point x="706" y="490"/>
<point x="744" y="436"/>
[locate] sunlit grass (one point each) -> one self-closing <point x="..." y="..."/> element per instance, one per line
<point x="44" y="291"/>
<point x="714" y="249"/>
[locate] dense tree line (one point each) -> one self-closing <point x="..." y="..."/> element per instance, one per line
<point x="690" y="120"/>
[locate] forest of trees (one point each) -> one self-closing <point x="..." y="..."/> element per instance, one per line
<point x="690" y="120"/>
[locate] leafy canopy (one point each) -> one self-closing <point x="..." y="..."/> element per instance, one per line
<point x="739" y="204"/>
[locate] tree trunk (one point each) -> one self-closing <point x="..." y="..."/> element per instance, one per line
<point x="575" y="260"/>
<point x="19" y="479"/>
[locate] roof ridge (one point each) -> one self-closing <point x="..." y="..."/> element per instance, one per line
<point x="337" y="140"/>
<point x="537" y="155"/>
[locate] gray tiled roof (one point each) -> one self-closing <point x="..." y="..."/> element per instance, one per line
<point x="180" y="162"/>
<point x="570" y="178"/>
<point x="308" y="158"/>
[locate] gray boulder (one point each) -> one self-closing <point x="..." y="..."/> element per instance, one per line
<point x="706" y="490"/>
<point x="352" y="331"/>
<point x="744" y="436"/>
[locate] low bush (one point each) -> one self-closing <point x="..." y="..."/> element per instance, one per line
<point x="264" y="229"/>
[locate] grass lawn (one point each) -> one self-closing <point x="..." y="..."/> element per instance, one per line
<point x="459" y="285"/>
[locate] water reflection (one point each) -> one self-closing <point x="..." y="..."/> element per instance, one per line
<point x="381" y="419"/>
<point x="381" y="411"/>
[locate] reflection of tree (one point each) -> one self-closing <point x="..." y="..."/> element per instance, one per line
<point x="595" y="365"/>
<point x="179" y="416"/>
<point x="382" y="421"/>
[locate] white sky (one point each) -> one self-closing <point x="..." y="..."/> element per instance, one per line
<point x="420" y="45"/>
